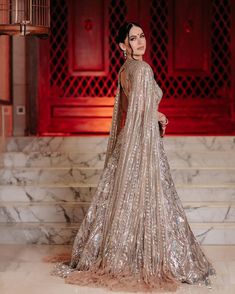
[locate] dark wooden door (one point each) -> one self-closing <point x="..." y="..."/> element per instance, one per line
<point x="189" y="46"/>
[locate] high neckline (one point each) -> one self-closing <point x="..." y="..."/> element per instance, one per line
<point x="130" y="59"/>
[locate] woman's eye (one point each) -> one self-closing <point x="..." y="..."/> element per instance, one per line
<point x="142" y="36"/>
<point x="132" y="39"/>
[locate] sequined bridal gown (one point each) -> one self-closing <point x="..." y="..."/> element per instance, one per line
<point x="135" y="235"/>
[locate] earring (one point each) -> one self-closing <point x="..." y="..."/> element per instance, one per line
<point x="124" y="53"/>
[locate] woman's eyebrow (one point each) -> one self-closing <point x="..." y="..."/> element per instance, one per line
<point x="135" y="35"/>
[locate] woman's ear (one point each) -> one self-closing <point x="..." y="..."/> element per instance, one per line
<point x="122" y="46"/>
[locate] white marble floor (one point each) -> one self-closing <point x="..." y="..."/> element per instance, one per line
<point x="23" y="272"/>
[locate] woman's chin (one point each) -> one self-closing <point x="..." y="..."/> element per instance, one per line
<point x="140" y="53"/>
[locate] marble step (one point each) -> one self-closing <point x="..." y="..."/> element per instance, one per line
<point x="176" y="159"/>
<point x="71" y="212"/>
<point x="68" y="176"/>
<point x="62" y="193"/>
<point x="99" y="143"/>
<point x="52" y="159"/>
<point x="64" y="233"/>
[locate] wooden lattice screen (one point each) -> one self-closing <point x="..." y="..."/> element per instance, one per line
<point x="62" y="83"/>
<point x="211" y="86"/>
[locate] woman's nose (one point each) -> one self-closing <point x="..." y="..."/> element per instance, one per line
<point x="140" y="41"/>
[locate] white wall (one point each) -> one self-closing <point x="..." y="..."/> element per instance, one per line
<point x="19" y="85"/>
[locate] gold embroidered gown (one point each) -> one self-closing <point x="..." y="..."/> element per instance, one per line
<point x="135" y="235"/>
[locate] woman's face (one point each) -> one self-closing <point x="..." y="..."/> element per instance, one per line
<point x="137" y="41"/>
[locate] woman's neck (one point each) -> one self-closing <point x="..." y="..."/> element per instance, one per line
<point x="140" y="58"/>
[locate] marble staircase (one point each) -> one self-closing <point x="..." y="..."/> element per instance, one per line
<point x="47" y="183"/>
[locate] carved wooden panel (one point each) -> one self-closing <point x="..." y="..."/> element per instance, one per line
<point x="88" y="37"/>
<point x="5" y="77"/>
<point x="189" y="37"/>
<point x="232" y="95"/>
<point x="90" y="115"/>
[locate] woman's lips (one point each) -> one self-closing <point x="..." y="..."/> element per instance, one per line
<point x="139" y="48"/>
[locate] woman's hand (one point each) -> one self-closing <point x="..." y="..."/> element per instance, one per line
<point x="163" y="121"/>
<point x="162" y="129"/>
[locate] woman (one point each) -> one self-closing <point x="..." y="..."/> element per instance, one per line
<point x="135" y="235"/>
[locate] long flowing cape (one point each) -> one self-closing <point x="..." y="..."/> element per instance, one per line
<point x="135" y="229"/>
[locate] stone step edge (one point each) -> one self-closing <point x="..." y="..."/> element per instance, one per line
<point x="186" y="204"/>
<point x="167" y="149"/>
<point x="15" y="168"/>
<point x="90" y="185"/>
<point x="23" y="225"/>
<point x="106" y="136"/>
<point x="77" y="167"/>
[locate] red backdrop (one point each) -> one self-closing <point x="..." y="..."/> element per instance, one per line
<point x="189" y="46"/>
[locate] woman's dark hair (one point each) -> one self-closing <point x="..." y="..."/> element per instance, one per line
<point x="124" y="32"/>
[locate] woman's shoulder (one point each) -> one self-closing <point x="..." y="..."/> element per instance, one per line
<point x="143" y="63"/>
<point x="141" y="67"/>
<point x="137" y="63"/>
